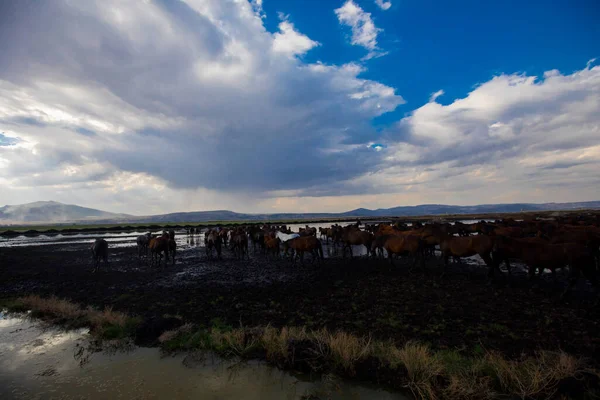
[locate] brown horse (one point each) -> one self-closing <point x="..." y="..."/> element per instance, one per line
<point x="99" y="251"/>
<point x="272" y="246"/>
<point x="378" y="243"/>
<point x="307" y="231"/>
<point x="239" y="244"/>
<point x="409" y="245"/>
<point x="212" y="240"/>
<point x="224" y="234"/>
<point x="539" y="255"/>
<point x="302" y="244"/>
<point x="158" y="246"/>
<point x="352" y="235"/>
<point x="459" y="247"/>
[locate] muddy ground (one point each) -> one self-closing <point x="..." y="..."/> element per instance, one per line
<point x="361" y="296"/>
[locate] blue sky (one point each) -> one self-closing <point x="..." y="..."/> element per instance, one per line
<point x="298" y="105"/>
<point x="451" y="46"/>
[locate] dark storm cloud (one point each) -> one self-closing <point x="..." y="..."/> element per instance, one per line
<point x="194" y="95"/>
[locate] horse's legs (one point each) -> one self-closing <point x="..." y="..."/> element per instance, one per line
<point x="492" y="266"/>
<point x="573" y="278"/>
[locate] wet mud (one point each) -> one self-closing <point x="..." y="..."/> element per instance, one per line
<point x="359" y="295"/>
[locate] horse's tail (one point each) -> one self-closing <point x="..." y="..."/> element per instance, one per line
<point x="320" y="248"/>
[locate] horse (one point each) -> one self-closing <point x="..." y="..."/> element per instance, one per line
<point x="323" y="232"/>
<point x="99" y="251"/>
<point x="351" y="235"/>
<point x="539" y="255"/>
<point x="462" y="229"/>
<point x="302" y="244"/>
<point x="257" y="237"/>
<point x="239" y="244"/>
<point x="212" y="239"/>
<point x="459" y="247"/>
<point x="172" y="245"/>
<point x="224" y="234"/>
<point x="272" y="246"/>
<point x="284" y="237"/>
<point x="308" y="231"/>
<point x="377" y="245"/>
<point x="158" y="246"/>
<point x="411" y="245"/>
<point x="142" y="243"/>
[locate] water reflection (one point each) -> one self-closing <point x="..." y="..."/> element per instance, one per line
<point x="38" y="363"/>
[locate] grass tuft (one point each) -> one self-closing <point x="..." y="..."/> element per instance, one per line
<point x="535" y="376"/>
<point x="106" y="324"/>
<point x="422" y="368"/>
<point x="343" y="349"/>
<point x="51" y="306"/>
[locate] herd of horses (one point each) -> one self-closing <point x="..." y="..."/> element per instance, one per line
<point x="539" y="244"/>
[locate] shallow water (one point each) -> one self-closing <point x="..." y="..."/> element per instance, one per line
<point x="47" y="363"/>
<point x="128" y="239"/>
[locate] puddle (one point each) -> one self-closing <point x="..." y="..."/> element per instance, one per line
<point x="48" y="363"/>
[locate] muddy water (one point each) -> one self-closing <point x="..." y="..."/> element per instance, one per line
<point x="46" y="363"/>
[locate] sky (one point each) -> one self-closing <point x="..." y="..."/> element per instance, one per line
<point x="156" y="106"/>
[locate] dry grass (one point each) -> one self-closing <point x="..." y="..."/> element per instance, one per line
<point x="167" y="336"/>
<point x="52" y="306"/>
<point x="276" y="342"/>
<point x="343" y="349"/>
<point x="235" y="341"/>
<point x="107" y="324"/>
<point x="428" y="375"/>
<point x="533" y="376"/>
<point x="469" y="383"/>
<point x="99" y="319"/>
<point x="422" y="368"/>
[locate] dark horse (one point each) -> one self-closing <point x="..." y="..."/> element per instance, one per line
<point x="99" y="251"/>
<point x="239" y="244"/>
<point x="212" y="240"/>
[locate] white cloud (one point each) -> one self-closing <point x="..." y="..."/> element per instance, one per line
<point x="513" y="138"/>
<point x="364" y="31"/>
<point x="435" y="95"/>
<point x="291" y="42"/>
<point x="177" y="92"/>
<point x="384" y="5"/>
<point x="149" y="107"/>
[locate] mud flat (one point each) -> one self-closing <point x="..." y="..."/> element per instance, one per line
<point x="367" y="299"/>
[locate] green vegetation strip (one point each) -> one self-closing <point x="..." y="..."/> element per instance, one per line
<point x="413" y="366"/>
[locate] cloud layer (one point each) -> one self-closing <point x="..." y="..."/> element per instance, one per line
<point x="384" y="5"/>
<point x="364" y="31"/>
<point x="165" y="105"/>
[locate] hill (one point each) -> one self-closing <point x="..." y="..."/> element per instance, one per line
<point x="52" y="212"/>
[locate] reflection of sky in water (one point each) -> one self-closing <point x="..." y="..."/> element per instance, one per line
<point x="37" y="363"/>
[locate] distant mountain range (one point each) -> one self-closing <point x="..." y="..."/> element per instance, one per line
<point x="50" y="212"/>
